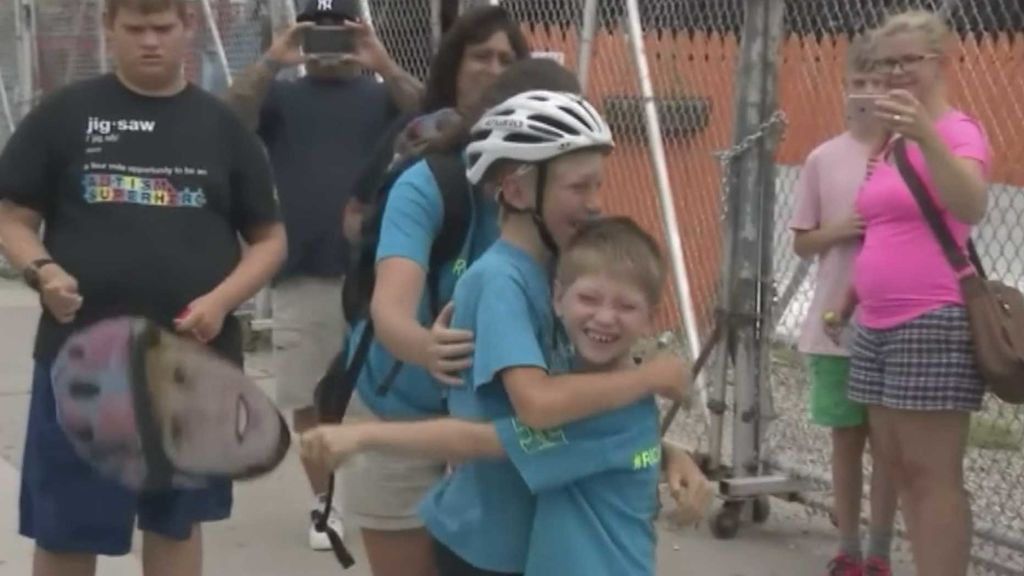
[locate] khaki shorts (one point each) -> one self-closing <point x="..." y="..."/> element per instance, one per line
<point x="383" y="490"/>
<point x="309" y="330"/>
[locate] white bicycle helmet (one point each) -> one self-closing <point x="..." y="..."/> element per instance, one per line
<point x="534" y="127"/>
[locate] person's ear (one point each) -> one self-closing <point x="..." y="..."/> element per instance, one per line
<point x="517" y="190"/>
<point x="558" y="293"/>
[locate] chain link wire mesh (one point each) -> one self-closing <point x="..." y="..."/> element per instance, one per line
<point x="983" y="74"/>
<point x="692" y="49"/>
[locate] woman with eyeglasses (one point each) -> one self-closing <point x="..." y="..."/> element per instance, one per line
<point x="913" y="360"/>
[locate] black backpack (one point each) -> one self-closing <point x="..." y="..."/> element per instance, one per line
<point x="335" y="389"/>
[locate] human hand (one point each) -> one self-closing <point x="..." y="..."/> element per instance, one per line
<point x="849" y="228"/>
<point x="286" y="50"/>
<point x="58" y="291"/>
<point x="369" y="52"/>
<point x="331" y="446"/>
<point x="352" y="221"/>
<point x="687" y="485"/>
<point x="835" y="325"/>
<point x="900" y="112"/>
<point x="451" y="350"/>
<point x="203" y="318"/>
<point x="668" y="375"/>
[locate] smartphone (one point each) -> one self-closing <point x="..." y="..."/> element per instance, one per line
<point x="861" y="107"/>
<point x="328" y="41"/>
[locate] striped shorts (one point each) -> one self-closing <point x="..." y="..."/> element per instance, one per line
<point x="925" y="364"/>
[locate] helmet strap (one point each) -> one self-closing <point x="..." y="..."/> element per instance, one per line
<point x="538" y="210"/>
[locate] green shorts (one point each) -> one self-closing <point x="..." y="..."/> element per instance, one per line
<point x="830" y="406"/>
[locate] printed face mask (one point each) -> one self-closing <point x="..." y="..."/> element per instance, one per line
<point x="153" y="410"/>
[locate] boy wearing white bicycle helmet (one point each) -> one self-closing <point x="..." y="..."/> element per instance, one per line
<point x="542" y="155"/>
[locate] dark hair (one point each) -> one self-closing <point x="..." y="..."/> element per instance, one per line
<point x="475" y="26"/>
<point x="522" y="76"/>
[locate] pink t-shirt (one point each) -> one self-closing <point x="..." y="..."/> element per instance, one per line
<point x="825" y="194"/>
<point x="901" y="272"/>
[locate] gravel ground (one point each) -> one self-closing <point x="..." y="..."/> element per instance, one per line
<point x="994" y="466"/>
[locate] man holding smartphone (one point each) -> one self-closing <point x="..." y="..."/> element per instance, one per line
<point x="320" y="131"/>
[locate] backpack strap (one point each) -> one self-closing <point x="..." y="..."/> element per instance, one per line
<point x="450" y="174"/>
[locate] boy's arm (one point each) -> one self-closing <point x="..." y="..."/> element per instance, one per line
<point x="811" y="236"/>
<point x="444" y="438"/>
<point x="544" y="401"/>
<point x="809" y="243"/>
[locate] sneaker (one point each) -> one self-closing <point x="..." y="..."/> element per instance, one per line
<point x="844" y="565"/>
<point x="318" y="540"/>
<point x="877" y="567"/>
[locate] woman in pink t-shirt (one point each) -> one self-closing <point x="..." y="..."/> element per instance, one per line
<point x="912" y="360"/>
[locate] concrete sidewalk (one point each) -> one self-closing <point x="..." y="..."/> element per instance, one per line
<point x="267" y="535"/>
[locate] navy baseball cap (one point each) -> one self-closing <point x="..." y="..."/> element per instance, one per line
<point x="319" y="10"/>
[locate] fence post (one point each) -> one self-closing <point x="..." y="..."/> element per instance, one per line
<point x="586" y="50"/>
<point x="218" y="44"/>
<point x="24" y="15"/>
<point x="747" y="293"/>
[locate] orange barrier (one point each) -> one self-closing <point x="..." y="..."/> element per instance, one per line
<point x="810" y="92"/>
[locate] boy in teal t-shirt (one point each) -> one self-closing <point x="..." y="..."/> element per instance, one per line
<point x="594" y="480"/>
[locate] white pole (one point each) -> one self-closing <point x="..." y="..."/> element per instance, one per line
<point x="435" y="24"/>
<point x="668" y="211"/>
<point x="6" y="104"/>
<point x="26" y="78"/>
<point x="218" y="45"/>
<point x="101" y="37"/>
<point x="71" y="62"/>
<point x="587" y="42"/>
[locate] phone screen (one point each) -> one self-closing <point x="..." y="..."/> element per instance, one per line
<point x="320" y="40"/>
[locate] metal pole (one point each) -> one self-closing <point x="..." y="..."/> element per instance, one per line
<point x="435" y="24"/>
<point x="101" y="37"/>
<point x="587" y="42"/>
<point x="745" y="289"/>
<point x="6" y="104"/>
<point x="218" y="45"/>
<point x="684" y="296"/>
<point x="766" y="285"/>
<point x="70" y="63"/>
<point x="26" y="77"/>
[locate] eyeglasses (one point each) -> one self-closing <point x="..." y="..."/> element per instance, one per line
<point x="907" y="62"/>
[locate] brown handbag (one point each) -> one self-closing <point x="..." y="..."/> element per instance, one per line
<point x="995" y="311"/>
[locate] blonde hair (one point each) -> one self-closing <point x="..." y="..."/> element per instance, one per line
<point x="930" y="24"/>
<point x="859" y="59"/>
<point x="616" y="246"/>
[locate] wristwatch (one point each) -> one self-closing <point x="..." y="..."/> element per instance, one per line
<point x="31" y="272"/>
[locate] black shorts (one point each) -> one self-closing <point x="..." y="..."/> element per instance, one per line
<point x="450" y="564"/>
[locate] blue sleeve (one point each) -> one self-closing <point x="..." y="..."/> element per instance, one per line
<point x="412" y="217"/>
<point x="503" y="329"/>
<point x="549" y="459"/>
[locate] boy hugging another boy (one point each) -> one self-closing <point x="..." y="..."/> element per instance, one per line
<point x="595" y="479"/>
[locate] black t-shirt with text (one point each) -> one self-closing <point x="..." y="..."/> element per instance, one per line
<point x="143" y="199"/>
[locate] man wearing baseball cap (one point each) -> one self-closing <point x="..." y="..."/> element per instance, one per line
<point x="320" y="131"/>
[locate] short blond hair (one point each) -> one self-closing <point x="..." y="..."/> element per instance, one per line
<point x="930" y="24"/>
<point x="859" y="59"/>
<point x="616" y="246"/>
<point x="147" y="7"/>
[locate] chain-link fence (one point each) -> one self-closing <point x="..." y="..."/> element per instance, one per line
<point x="692" y="49"/>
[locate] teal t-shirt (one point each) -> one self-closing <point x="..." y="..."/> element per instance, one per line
<point x="483" y="511"/>
<point x="412" y="220"/>
<point x="596" y="483"/>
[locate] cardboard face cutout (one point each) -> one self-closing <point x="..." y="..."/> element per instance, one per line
<point x="154" y="411"/>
